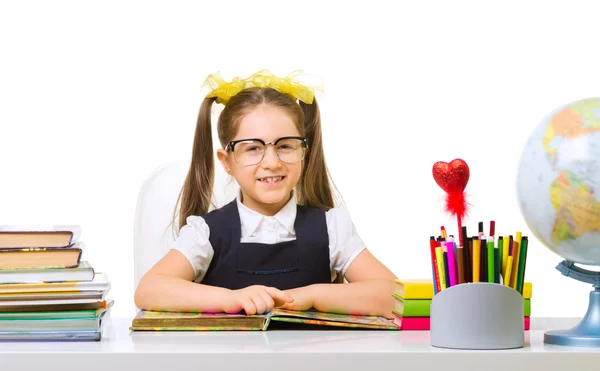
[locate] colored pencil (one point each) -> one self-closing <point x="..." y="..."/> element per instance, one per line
<point x="455" y="251"/>
<point x="439" y="254"/>
<point x="490" y="259"/>
<point x="517" y="245"/>
<point x="483" y="267"/>
<point x="515" y="263"/>
<point x="501" y="253"/>
<point x="461" y="265"/>
<point x="446" y="269"/>
<point x="451" y="263"/>
<point x="470" y="241"/>
<point x="466" y="256"/>
<point x="435" y="277"/>
<point x="476" y="260"/>
<point x="522" y="260"/>
<point x="508" y="270"/>
<point x="497" y="265"/>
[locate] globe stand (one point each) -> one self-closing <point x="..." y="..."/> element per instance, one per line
<point x="587" y="332"/>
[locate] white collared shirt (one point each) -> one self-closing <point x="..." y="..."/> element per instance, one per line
<point x="344" y="242"/>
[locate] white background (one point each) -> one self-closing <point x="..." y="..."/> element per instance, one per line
<point x="95" y="95"/>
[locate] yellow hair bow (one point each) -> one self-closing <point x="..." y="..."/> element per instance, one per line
<point x="291" y="85"/>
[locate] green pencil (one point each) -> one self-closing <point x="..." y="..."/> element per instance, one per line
<point x="490" y="259"/>
<point x="522" y="260"/>
<point x="500" y="248"/>
<point x="496" y="265"/>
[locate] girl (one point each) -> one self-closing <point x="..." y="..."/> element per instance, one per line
<point x="281" y="242"/>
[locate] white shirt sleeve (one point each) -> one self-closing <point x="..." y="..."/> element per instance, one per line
<point x="193" y="242"/>
<point x="344" y="242"/>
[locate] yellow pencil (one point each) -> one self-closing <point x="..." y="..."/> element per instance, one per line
<point x="439" y="255"/>
<point x="476" y="260"/>
<point x="508" y="271"/>
<point x="515" y="269"/>
<point x="505" y="249"/>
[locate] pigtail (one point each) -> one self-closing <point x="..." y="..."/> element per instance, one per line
<point x="196" y="193"/>
<point x="315" y="188"/>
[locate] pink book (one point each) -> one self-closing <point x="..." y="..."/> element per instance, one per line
<point x="411" y="323"/>
<point x="423" y="323"/>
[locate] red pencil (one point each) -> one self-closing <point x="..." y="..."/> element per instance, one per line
<point x="492" y="228"/>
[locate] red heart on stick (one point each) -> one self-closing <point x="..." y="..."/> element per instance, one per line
<point x="451" y="177"/>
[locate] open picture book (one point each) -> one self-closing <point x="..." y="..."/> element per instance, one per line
<point x="277" y="318"/>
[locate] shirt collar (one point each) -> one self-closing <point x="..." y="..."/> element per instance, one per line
<point x="250" y="219"/>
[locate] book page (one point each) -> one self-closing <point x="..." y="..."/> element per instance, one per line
<point x="332" y="317"/>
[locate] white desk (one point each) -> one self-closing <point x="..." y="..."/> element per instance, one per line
<point x="288" y="350"/>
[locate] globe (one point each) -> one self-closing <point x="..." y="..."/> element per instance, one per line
<point x="558" y="182"/>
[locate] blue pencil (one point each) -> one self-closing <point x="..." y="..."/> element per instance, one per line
<point x="433" y="280"/>
<point x="446" y="269"/>
<point x="455" y="247"/>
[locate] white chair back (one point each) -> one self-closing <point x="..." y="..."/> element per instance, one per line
<point x="154" y="234"/>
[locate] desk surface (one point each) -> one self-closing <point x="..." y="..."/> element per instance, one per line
<point x="288" y="350"/>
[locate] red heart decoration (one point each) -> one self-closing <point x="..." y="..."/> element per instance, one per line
<point x="453" y="176"/>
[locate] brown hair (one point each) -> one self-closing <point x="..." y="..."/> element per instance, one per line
<point x="314" y="189"/>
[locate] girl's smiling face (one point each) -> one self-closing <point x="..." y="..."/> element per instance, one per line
<point x="266" y="187"/>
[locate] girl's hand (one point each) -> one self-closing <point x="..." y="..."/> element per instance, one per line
<point x="303" y="298"/>
<point x="255" y="299"/>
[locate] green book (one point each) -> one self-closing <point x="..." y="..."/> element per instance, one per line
<point x="422" y="307"/>
<point x="67" y="314"/>
<point x="59" y="314"/>
<point x="411" y="307"/>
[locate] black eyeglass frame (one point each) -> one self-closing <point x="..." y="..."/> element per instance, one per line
<point x="231" y="145"/>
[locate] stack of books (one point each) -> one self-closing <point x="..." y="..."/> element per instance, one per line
<point x="412" y="303"/>
<point x="527" y="289"/>
<point x="47" y="292"/>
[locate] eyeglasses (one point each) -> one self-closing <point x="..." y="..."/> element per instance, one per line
<point x="249" y="152"/>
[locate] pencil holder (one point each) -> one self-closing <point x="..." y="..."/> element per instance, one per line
<point x="477" y="315"/>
